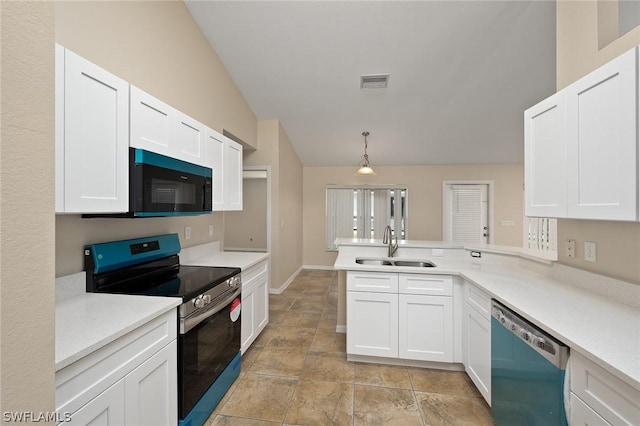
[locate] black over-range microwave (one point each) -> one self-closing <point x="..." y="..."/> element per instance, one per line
<point x="164" y="186"/>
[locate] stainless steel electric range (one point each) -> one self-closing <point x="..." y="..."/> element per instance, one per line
<point x="209" y="316"/>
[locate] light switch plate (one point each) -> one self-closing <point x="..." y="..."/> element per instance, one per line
<point x="210" y="230"/>
<point x="187" y="232"/>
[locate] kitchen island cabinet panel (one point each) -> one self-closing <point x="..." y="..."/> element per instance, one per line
<point x="107" y="409"/>
<point x="372" y="324"/>
<point x="255" y="303"/>
<point x="425" y="328"/>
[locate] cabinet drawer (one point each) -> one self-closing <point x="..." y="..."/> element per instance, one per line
<point x="86" y="378"/>
<point x="434" y="285"/>
<point x="478" y="299"/>
<point x="610" y="397"/>
<point x="583" y="415"/>
<point x="377" y="282"/>
<point x="249" y="274"/>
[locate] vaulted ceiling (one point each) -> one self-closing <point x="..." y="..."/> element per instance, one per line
<point x="461" y="74"/>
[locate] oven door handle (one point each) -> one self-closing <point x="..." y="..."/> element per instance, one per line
<point x="186" y="324"/>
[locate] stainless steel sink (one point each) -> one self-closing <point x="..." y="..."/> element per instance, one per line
<point x="417" y="263"/>
<point x="363" y="261"/>
<point x="394" y="262"/>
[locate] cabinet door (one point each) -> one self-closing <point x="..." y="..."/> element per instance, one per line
<point x="248" y="326"/>
<point x="602" y="142"/>
<point x="96" y="139"/>
<point x="59" y="132"/>
<point x="107" y="409"/>
<point x="425" y="328"/>
<point x="232" y="175"/>
<point x="152" y="123"/>
<point x="372" y="324"/>
<point x="477" y="350"/>
<point x="214" y="158"/>
<point x="262" y="302"/>
<point x="545" y="157"/>
<point x="190" y="136"/>
<point x="151" y="390"/>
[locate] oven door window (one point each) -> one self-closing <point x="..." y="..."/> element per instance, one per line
<point x="157" y="189"/>
<point x="203" y="353"/>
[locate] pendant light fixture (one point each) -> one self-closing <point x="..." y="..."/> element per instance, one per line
<point x="365" y="168"/>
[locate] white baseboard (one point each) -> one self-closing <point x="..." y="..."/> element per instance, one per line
<point x="286" y="284"/>
<point x="321" y="267"/>
<point x="341" y="328"/>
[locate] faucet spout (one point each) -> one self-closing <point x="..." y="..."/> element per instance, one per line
<point x="392" y="242"/>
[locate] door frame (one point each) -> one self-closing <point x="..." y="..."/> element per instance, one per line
<point x="445" y="203"/>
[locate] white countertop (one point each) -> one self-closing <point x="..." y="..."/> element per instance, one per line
<point x="86" y="322"/>
<point x="209" y="255"/>
<point x="600" y="327"/>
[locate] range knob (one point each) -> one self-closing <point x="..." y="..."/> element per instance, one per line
<point x="207" y="299"/>
<point x="199" y="302"/>
<point x="233" y="282"/>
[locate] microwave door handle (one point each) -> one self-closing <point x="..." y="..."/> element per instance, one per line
<point x="186" y="324"/>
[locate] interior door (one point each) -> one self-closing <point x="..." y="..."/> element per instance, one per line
<point x="466" y="213"/>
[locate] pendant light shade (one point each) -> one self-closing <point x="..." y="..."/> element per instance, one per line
<point x="365" y="168"/>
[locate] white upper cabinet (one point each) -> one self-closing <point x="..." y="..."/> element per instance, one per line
<point x="602" y="142"/>
<point x="152" y="123"/>
<point x="233" y="175"/>
<point x="224" y="156"/>
<point x="190" y="136"/>
<point x="545" y="165"/>
<point x="92" y="137"/>
<point x="160" y="128"/>
<point x="581" y="147"/>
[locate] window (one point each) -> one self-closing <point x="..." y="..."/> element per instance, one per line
<point x="359" y="212"/>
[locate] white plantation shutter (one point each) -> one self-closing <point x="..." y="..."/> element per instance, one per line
<point x="466" y="218"/>
<point x="339" y="216"/>
<point x="381" y="211"/>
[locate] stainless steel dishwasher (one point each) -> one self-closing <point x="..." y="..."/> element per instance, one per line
<point x="527" y="372"/>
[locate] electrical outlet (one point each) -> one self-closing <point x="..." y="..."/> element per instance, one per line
<point x="210" y="230"/>
<point x="187" y="232"/>
<point x="589" y="251"/>
<point x="570" y="248"/>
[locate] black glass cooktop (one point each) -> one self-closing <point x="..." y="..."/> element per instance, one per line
<point x="187" y="283"/>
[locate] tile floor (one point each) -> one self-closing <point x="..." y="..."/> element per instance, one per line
<point x="296" y="373"/>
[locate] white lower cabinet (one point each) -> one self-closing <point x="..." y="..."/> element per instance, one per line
<point x="372" y="324"/>
<point x="107" y="409"/>
<point x="583" y="415"/>
<point x="425" y="327"/>
<point x="476" y="336"/>
<point x="255" y="303"/>
<point x="597" y="394"/>
<point x="131" y="381"/>
<point x="410" y="316"/>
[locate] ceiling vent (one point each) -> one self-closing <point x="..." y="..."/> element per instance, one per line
<point x="374" y="81"/>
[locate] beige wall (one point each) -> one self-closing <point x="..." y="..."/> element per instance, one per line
<point x="618" y="243"/>
<point x="26" y="208"/>
<point x="158" y="47"/>
<point x="275" y="150"/>
<point x="424" y="185"/>
<point x="247" y="229"/>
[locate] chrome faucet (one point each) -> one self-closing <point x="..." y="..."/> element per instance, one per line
<point x="392" y="242"/>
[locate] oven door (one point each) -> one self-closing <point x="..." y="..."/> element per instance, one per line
<point x="164" y="186"/>
<point x="207" y="343"/>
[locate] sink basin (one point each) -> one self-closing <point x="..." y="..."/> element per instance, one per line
<point x="373" y="261"/>
<point x="394" y="262"/>
<point x="417" y="263"/>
